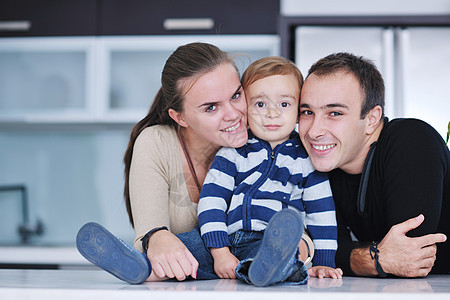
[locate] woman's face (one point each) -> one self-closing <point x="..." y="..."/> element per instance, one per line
<point x="215" y="109"/>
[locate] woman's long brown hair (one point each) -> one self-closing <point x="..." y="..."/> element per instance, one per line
<point x="186" y="62"/>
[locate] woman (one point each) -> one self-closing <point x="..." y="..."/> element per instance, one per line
<point x="199" y="108"/>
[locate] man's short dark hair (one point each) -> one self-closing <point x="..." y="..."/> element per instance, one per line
<point x="363" y="69"/>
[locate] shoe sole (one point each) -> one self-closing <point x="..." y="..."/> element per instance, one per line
<point x="278" y="247"/>
<point x="103" y="249"/>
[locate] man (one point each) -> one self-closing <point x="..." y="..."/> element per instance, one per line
<point x="390" y="179"/>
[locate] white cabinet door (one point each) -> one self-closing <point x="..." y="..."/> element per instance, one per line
<point x="45" y="78"/>
<point x="130" y="68"/>
<point x="374" y="43"/>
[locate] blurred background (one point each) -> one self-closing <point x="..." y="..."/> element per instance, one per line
<point x="76" y="75"/>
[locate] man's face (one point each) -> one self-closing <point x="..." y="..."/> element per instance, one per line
<point x="330" y="126"/>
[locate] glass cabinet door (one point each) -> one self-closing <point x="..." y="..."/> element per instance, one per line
<point x="426" y="75"/>
<point x="45" y="77"/>
<point x="374" y="43"/>
<point x="132" y="67"/>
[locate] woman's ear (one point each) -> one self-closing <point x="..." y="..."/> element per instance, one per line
<point x="373" y="119"/>
<point x="177" y="117"/>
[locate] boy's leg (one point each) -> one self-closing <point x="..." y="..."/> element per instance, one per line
<point x="193" y="241"/>
<point x="245" y="246"/>
<point x="103" y="249"/>
<point x="277" y="257"/>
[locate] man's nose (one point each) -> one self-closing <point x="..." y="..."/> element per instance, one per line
<point x="317" y="128"/>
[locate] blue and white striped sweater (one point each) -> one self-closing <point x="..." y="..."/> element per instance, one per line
<point x="246" y="186"/>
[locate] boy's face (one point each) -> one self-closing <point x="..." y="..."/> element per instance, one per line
<point x="273" y="107"/>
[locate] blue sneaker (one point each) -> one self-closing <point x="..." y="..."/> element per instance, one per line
<point x="103" y="249"/>
<point x="276" y="256"/>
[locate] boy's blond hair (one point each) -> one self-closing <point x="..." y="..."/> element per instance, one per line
<point x="270" y="66"/>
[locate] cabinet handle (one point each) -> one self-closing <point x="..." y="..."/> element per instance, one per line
<point x="189" y="24"/>
<point x="15" y="25"/>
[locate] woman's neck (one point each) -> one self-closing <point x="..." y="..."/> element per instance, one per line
<point x="202" y="152"/>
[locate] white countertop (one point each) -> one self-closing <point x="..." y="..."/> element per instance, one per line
<point x="97" y="284"/>
<point x="64" y="256"/>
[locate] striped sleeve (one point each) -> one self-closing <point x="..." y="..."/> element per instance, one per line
<point x="321" y="218"/>
<point x="215" y="198"/>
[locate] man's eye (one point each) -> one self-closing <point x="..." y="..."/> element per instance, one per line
<point x="335" y="114"/>
<point x="236" y="96"/>
<point x="306" y="112"/>
<point x="210" y="108"/>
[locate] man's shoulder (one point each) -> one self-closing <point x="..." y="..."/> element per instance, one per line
<point x="407" y="129"/>
<point x="409" y="124"/>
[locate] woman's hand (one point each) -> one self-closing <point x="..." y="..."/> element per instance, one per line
<point x="323" y="272"/>
<point x="169" y="257"/>
<point x="225" y="263"/>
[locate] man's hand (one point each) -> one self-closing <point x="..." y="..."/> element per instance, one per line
<point x="408" y="257"/>
<point x="225" y="263"/>
<point x="400" y="255"/>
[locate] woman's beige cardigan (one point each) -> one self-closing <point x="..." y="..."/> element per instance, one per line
<point x="158" y="191"/>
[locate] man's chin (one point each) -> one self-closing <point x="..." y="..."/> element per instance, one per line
<point x="322" y="166"/>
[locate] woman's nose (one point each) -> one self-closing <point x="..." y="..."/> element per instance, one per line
<point x="231" y="112"/>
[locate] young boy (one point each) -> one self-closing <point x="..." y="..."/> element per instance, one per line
<point x="269" y="179"/>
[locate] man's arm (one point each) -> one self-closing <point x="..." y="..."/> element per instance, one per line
<point x="399" y="255"/>
<point x="412" y="185"/>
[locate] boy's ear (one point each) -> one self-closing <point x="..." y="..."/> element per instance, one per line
<point x="177" y="117"/>
<point x="373" y="119"/>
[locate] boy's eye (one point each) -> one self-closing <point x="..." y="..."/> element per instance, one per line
<point x="284" y="104"/>
<point x="260" y="104"/>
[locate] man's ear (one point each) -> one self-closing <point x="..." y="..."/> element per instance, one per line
<point x="177" y="117"/>
<point x="373" y="119"/>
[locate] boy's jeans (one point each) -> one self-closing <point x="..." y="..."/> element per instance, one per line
<point x="245" y="246"/>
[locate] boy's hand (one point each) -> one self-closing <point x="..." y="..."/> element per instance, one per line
<point x="225" y="263"/>
<point x="322" y="272"/>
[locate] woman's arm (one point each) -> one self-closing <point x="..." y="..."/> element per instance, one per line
<point x="152" y="168"/>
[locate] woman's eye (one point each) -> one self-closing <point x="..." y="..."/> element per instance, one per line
<point x="210" y="108"/>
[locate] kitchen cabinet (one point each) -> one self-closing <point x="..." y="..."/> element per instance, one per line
<point x="67" y="106"/>
<point x="132" y="66"/>
<point x="97" y="80"/>
<point x="140" y="17"/>
<point x="19" y="18"/>
<point x="46" y="78"/>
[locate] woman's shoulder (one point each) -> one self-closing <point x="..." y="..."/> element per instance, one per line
<point x="157" y="133"/>
<point x="157" y="137"/>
